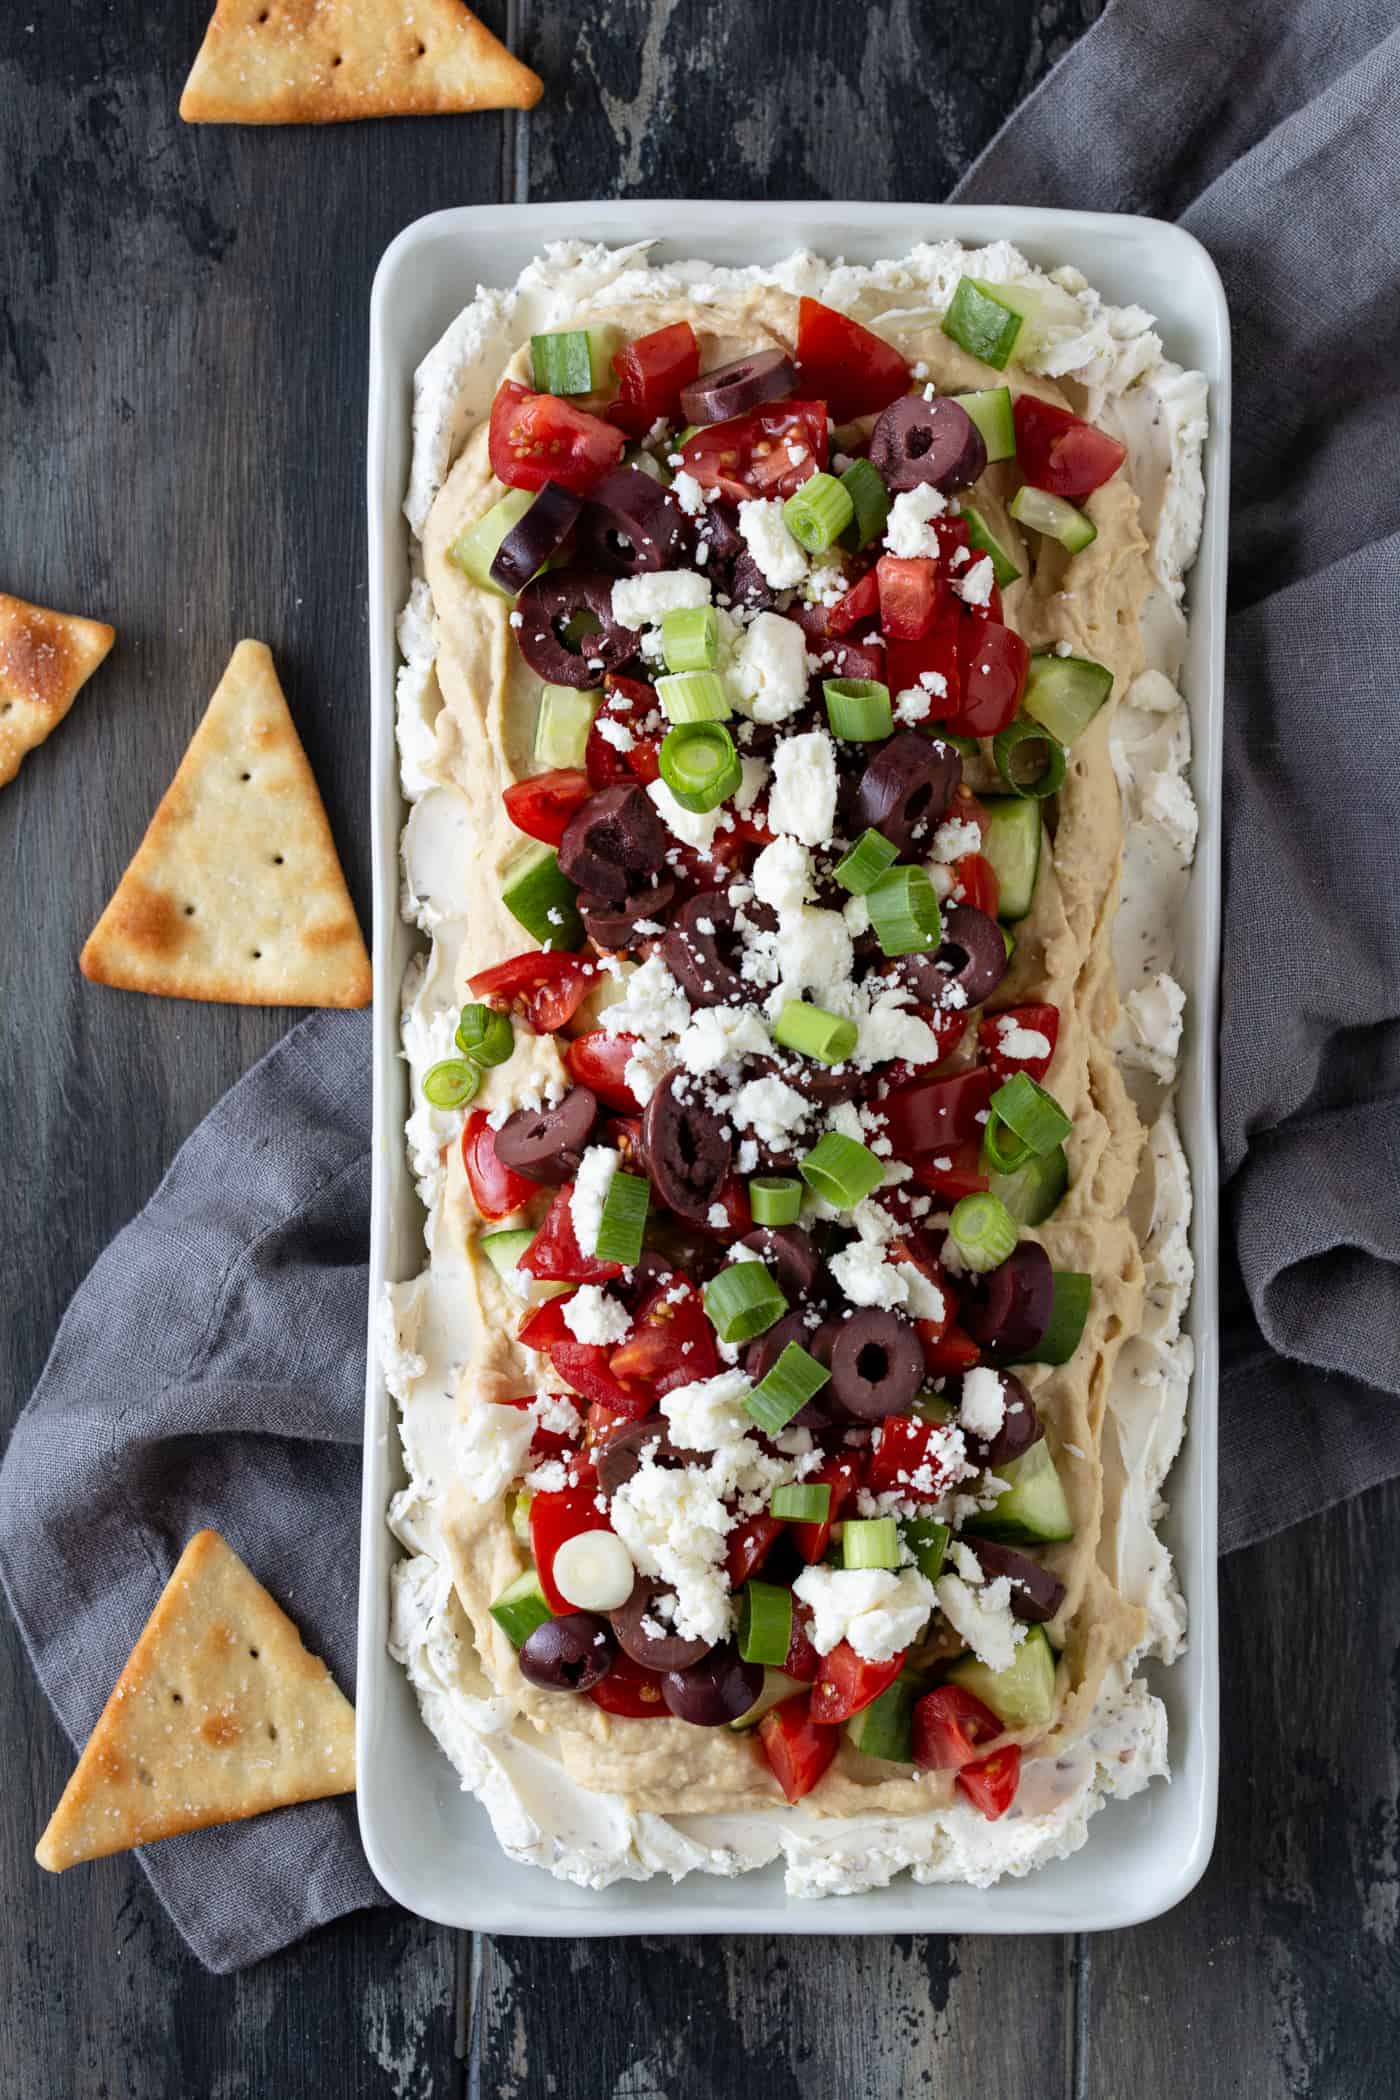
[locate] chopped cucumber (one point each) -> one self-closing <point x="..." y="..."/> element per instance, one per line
<point x="520" y="1515"/>
<point x="503" y="1250"/>
<point x="777" y="1686"/>
<point x="1073" y="1292"/>
<point x="1033" y="1191"/>
<point x="885" y="1728"/>
<point x="1064" y="693"/>
<point x="562" y="726"/>
<point x="984" y="320"/>
<point x="1023" y="1694"/>
<point x="990" y="410"/>
<point x="474" y="550"/>
<point x="927" y="1540"/>
<point x="985" y="541"/>
<point x="521" y="1607"/>
<point x="1011" y="842"/>
<point x="647" y="462"/>
<point x="1055" y="518"/>
<point x="536" y="891"/>
<point x="575" y="361"/>
<point x="1034" y="1510"/>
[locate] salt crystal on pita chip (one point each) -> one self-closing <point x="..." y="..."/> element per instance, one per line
<point x="46" y="658"/>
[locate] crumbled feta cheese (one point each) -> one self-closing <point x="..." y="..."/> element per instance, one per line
<point x="592" y="1316"/>
<point x="803" y="796"/>
<point x="615" y="733"/>
<point x="908" y="531"/>
<point x="813" y="954"/>
<point x="673" y="1522"/>
<point x="878" y="1611"/>
<point x="782" y="875"/>
<point x="556" y="1412"/>
<point x="768" y="677"/>
<point x="689" y="494"/>
<point x="955" y="838"/>
<point x="1017" y="1041"/>
<point x="722" y="1035"/>
<point x="975" y="588"/>
<point x="641" y="601"/>
<point x="590" y="1190"/>
<point x="752" y="784"/>
<point x="709" y="1414"/>
<point x="1168" y="802"/>
<point x="983" y="1618"/>
<point x="492" y="1446"/>
<point x="777" y="554"/>
<point x="692" y="827"/>
<point x="772" y="1109"/>
<point x="982" y="1408"/>
<point x="866" y="1278"/>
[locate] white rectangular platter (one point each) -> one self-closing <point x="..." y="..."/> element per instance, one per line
<point x="430" y="1844"/>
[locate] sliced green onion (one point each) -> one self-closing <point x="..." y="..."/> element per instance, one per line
<point x="1061" y="1338"/>
<point x="575" y="361"/>
<point x="536" y="891"/>
<point x="966" y="746"/>
<point x="743" y="1301"/>
<point x="775" y="1199"/>
<point x="870" y="499"/>
<point x="818" y="513"/>
<point x="990" y="410"/>
<point x="765" y="1623"/>
<point x="871" y="856"/>
<point x="694" y="696"/>
<point x="927" y="1540"/>
<point x="870" y="1542"/>
<point x="841" y="1171"/>
<point x="904" y="911"/>
<point x="562" y="725"/>
<point x="690" y="642"/>
<point x="793" y="1380"/>
<point x="1036" y="1117"/>
<point x="1022" y="740"/>
<point x="983" y="1231"/>
<point x="802" y="1502"/>
<point x="700" y="765"/>
<point x="624" y="1218"/>
<point x="982" y="322"/>
<point x="452" y="1083"/>
<point x="1033" y="1192"/>
<point x="815" y="1033"/>
<point x="485" y="1035"/>
<point x="1002" y="1151"/>
<point x="858" y="709"/>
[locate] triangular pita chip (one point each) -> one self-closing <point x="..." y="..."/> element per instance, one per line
<point x="324" y="61"/>
<point x="46" y="658"/>
<point x="220" y="1713"/>
<point x="236" y="893"/>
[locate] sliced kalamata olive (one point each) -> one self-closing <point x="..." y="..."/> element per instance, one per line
<point x="1008" y="1310"/>
<point x="568" y="1654"/>
<point x="548" y="605"/>
<point x="631" y="523"/>
<point x="687" y="1152"/>
<point x="788" y="1252"/>
<point x="614" y="926"/>
<point x="749" y="586"/>
<point x="877" y="1364"/>
<point x="1036" y="1594"/>
<point x="735" y="388"/>
<point x="907" y="787"/>
<point x="720" y="526"/>
<point x="703" y="944"/>
<point x="669" y="1651"/>
<point x="714" y="1692"/>
<point x="821" y="1083"/>
<point x="762" y="1353"/>
<point x="541" y="532"/>
<point x="1020" y="1427"/>
<point x="972" y="954"/>
<point x="618" y="1454"/>
<point x="546" y="1144"/>
<point x="649" y="1270"/>
<point x="918" y="441"/>
<point x="614" y="844"/>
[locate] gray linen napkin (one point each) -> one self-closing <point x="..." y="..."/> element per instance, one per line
<point x="210" y="1369"/>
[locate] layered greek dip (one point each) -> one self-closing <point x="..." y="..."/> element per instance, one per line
<point x="799" y="827"/>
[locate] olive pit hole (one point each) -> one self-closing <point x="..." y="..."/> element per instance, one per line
<point x="873" y="1363"/>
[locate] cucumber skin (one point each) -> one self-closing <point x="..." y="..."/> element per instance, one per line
<point x="1024" y="1193"/>
<point x="1034" y="1512"/>
<point x="983" y="540"/>
<point x="1022" y="1696"/>
<point x="521" y="1607"/>
<point x="885" y="1728"/>
<point x="1017" y="891"/>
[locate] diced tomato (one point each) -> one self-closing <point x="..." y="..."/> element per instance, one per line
<point x="748" y="1546"/>
<point x="624" y="1134"/>
<point x="650" y="375"/>
<point x="1043" y="1020"/>
<point x="554" y="1254"/>
<point x="961" y="1176"/>
<point x="629" y="701"/>
<point x="497" y="1189"/>
<point x="548" y="1443"/>
<point x="797" y="1749"/>
<point x="856" y="373"/>
<point x="861" y="602"/>
<point x="544" y="1325"/>
<point x="1061" y="453"/>
<point x="948" y="1726"/>
<point x="583" y="1366"/>
<point x="752" y="455"/>
<point x="946" y="1350"/>
<point x="991" y="1783"/>
<point x="951" y="534"/>
<point x="907" y="1446"/>
<point x="933" y="658"/>
<point x="542" y="806"/>
<point x="934" y="1114"/>
<point x="802" y="1660"/>
<point x="536" y="438"/>
<point x="846" y="1682"/>
<point x="599" y="1061"/>
<point x="976" y="879"/>
<point x="555" y="1516"/>
<point x="733" y="1200"/>
<point x="629" y="1691"/>
<point x="545" y="987"/>
<point x="910" y="592"/>
<point x="671" y="1344"/>
<point x="843" y="1477"/>
<point x="993" y="662"/>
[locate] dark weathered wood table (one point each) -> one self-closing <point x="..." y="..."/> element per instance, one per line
<point x="182" y="405"/>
